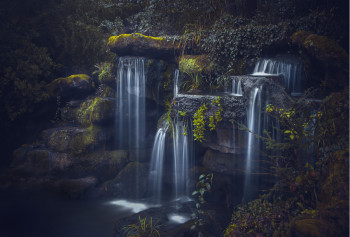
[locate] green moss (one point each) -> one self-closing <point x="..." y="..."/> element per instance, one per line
<point x="94" y="111"/>
<point x="74" y="140"/>
<point x="114" y="40"/>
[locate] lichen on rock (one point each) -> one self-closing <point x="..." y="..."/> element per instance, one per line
<point x="137" y="44"/>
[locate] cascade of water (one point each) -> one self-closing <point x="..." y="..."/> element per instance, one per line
<point x="253" y="144"/>
<point x="291" y="72"/>
<point x="176" y="82"/>
<point x="156" y="166"/>
<point x="237" y="87"/>
<point x="131" y="106"/>
<point x="182" y="159"/>
<point x="131" y="111"/>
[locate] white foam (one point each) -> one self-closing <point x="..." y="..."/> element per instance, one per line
<point x="178" y="219"/>
<point x="133" y="206"/>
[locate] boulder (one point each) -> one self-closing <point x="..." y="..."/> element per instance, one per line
<point x="140" y="45"/>
<point x="227" y="139"/>
<point x="224" y="163"/>
<point x="74" y="86"/>
<point x="131" y="182"/>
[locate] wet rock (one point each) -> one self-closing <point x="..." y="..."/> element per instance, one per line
<point x="227" y="139"/>
<point x="74" y="86"/>
<point x="233" y="106"/>
<point x="140" y="45"/>
<point x="224" y="163"/>
<point x="131" y="182"/>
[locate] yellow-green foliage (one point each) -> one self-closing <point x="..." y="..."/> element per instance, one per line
<point x="199" y="123"/>
<point x="214" y="120"/>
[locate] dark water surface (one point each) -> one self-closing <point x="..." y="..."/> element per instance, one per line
<point x="36" y="214"/>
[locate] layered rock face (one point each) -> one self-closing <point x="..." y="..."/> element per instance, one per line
<point x="79" y="153"/>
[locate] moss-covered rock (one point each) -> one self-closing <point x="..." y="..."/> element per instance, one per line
<point x="140" y="45"/>
<point x="74" y="86"/>
<point x="75" y="140"/>
<point x="97" y="111"/>
<point x="191" y="64"/>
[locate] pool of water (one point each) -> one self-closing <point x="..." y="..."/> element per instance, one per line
<point x="37" y="214"/>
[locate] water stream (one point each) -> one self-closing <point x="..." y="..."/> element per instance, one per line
<point x="131" y="108"/>
<point x="156" y="165"/>
<point x="291" y="70"/>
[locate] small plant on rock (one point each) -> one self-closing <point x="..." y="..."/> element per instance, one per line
<point x="142" y="229"/>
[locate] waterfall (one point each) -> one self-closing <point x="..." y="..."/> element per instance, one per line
<point x="131" y="111"/>
<point x="176" y="82"/>
<point x="182" y="159"/>
<point x="237" y="87"/>
<point x="290" y="69"/>
<point x="156" y="166"/>
<point x="253" y="144"/>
